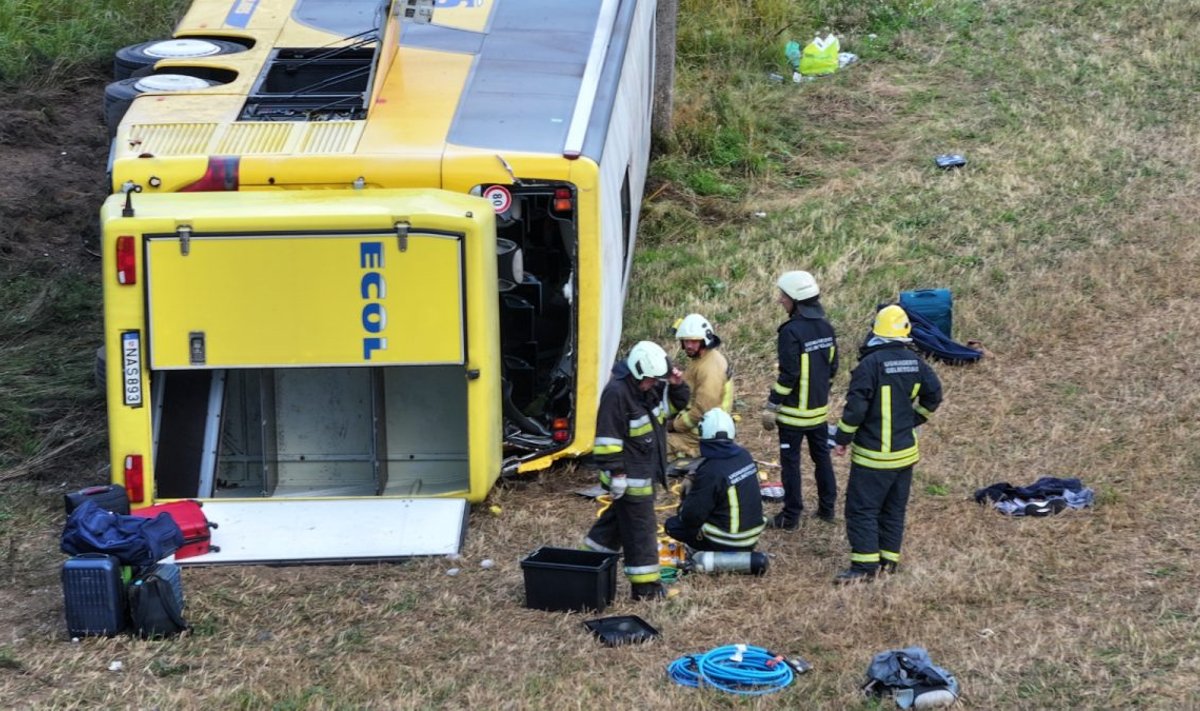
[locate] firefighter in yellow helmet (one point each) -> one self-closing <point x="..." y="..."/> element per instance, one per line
<point x="631" y="453"/>
<point x="892" y="390"/>
<point x="709" y="383"/>
<point x="799" y="400"/>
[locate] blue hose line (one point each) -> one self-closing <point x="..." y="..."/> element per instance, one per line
<point x="758" y="672"/>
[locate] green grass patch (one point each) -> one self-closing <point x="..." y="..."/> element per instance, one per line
<point x="54" y="40"/>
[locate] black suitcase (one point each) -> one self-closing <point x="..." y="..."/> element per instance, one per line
<point x="109" y="497"/>
<point x="94" y="595"/>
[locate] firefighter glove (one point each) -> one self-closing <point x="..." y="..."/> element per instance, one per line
<point x="617" y="486"/>
<point x="768" y="417"/>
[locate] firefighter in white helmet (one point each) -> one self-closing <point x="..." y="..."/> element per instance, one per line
<point x="631" y="453"/>
<point x="709" y="383"/>
<point x="799" y="400"/>
<point x="722" y="509"/>
<point x="892" y="391"/>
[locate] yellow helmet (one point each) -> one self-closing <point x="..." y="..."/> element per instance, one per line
<point x="891" y="322"/>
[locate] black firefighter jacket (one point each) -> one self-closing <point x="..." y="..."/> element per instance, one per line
<point x="808" y="360"/>
<point x="725" y="502"/>
<point x="630" y="435"/>
<point x="892" y="390"/>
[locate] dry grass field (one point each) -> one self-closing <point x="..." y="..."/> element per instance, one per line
<point x="1070" y="242"/>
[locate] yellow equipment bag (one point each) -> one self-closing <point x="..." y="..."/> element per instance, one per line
<point x="820" y="56"/>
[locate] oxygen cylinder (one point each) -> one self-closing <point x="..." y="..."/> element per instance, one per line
<point x="747" y="563"/>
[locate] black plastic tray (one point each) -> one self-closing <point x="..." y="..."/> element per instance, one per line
<point x="621" y="629"/>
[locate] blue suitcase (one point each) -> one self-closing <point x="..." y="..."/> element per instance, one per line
<point x="937" y="305"/>
<point x="94" y="595"/>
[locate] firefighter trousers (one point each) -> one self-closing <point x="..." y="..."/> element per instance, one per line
<point x="876" y="501"/>
<point x="629" y="523"/>
<point x="790" y="439"/>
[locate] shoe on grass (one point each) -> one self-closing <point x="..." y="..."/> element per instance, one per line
<point x="783" y="522"/>
<point x="854" y="576"/>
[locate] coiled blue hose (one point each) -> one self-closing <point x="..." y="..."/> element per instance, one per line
<point x="753" y="672"/>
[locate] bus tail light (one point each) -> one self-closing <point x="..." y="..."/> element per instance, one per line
<point x="135" y="480"/>
<point x="562" y="429"/>
<point x="126" y="260"/>
<point x="563" y="201"/>
<point x="222" y="174"/>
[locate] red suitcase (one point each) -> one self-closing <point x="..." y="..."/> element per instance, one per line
<point x="191" y="520"/>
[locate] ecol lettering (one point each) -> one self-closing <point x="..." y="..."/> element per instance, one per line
<point x="374" y="316"/>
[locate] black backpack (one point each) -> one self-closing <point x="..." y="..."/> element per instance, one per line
<point x="154" y="608"/>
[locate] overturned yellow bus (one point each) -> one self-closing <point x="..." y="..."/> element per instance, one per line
<point x="362" y="258"/>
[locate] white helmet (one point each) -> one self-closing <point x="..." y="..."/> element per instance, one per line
<point x="800" y="286"/>
<point x="695" y="327"/>
<point x="715" y="423"/>
<point x="647" y="359"/>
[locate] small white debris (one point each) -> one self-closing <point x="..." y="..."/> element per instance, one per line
<point x="760" y="214"/>
<point x="116" y="666"/>
<point x="74" y="640"/>
<point x="452" y="572"/>
<point x="487" y="563"/>
<point x="452" y="556"/>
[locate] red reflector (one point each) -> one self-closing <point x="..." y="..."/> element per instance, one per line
<point x="126" y="260"/>
<point x="561" y="435"/>
<point x="222" y="174"/>
<point x="561" y="423"/>
<point x="562" y="193"/>
<point x="135" y="483"/>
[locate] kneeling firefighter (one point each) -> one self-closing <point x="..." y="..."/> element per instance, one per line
<point x="722" y="507"/>
<point x="631" y="453"/>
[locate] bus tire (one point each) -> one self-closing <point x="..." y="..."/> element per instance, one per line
<point x="119" y="95"/>
<point x="129" y="59"/>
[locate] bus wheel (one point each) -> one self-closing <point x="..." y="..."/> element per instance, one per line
<point x="129" y="59"/>
<point x="118" y="95"/>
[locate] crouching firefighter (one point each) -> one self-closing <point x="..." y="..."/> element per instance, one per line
<point x="722" y="509"/>
<point x="892" y="390"/>
<point x="631" y="454"/>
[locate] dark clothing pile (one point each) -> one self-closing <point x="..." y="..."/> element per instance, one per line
<point x="912" y="679"/>
<point x="1046" y="496"/>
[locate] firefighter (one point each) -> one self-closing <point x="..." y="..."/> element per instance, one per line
<point x="708" y="378"/>
<point x="631" y="453"/>
<point x="799" y="401"/>
<point x="722" y="507"/>
<point x="892" y="390"/>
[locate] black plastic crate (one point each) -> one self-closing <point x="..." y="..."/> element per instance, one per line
<point x="564" y="579"/>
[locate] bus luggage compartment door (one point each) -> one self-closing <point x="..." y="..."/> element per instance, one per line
<point x="218" y="301"/>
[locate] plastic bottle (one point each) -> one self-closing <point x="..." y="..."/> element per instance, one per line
<point x="747" y="563"/>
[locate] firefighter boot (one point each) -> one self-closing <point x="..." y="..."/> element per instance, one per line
<point x="649" y="591"/>
<point x="888" y="567"/>
<point x="781" y="521"/>
<point x="856" y="573"/>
